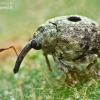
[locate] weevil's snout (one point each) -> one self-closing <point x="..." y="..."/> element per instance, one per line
<point x="21" y="57"/>
<point x="35" y="45"/>
<point x="31" y="44"/>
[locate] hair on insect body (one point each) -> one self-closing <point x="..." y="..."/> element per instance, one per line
<point x="70" y="40"/>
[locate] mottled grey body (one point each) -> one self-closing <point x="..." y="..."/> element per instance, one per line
<point x="69" y="38"/>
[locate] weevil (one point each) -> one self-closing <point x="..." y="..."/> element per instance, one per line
<point x="71" y="40"/>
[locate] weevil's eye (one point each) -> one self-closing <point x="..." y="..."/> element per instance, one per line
<point x="74" y="18"/>
<point x="35" y="46"/>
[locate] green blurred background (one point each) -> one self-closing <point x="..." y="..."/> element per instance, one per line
<point x="17" y="26"/>
<point x="22" y="20"/>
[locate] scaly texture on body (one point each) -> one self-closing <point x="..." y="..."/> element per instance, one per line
<point x="68" y="39"/>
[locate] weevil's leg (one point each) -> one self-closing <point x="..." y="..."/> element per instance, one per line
<point x="60" y="65"/>
<point x="48" y="63"/>
<point x="91" y="59"/>
<point x="91" y="71"/>
<point x="70" y="71"/>
<point x="2" y="49"/>
<point x="71" y="78"/>
<point x="64" y="66"/>
<point x="71" y="67"/>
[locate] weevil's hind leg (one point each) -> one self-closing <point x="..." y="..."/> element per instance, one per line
<point x="91" y="59"/>
<point x="71" y="78"/>
<point x="91" y="71"/>
<point x="48" y="63"/>
<point x="2" y="49"/>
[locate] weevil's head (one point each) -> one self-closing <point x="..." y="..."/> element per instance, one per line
<point x="32" y="44"/>
<point x="46" y="36"/>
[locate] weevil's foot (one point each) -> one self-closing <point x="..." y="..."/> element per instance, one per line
<point x="94" y="73"/>
<point x="72" y="83"/>
<point x="71" y="78"/>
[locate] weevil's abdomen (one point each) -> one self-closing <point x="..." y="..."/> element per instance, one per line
<point x="77" y="35"/>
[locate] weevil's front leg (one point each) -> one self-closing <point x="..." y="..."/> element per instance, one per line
<point x="69" y="75"/>
<point x="65" y="66"/>
<point x="48" y="63"/>
<point x="60" y="65"/>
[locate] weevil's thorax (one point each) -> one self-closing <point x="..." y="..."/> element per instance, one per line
<point x="46" y="35"/>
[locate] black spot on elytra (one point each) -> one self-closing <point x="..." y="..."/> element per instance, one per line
<point x="94" y="30"/>
<point x="94" y="50"/>
<point x="86" y="38"/>
<point x="98" y="38"/>
<point x="76" y="29"/>
<point x="74" y="19"/>
<point x="86" y="47"/>
<point x="81" y="44"/>
<point x="93" y="23"/>
<point x="86" y="30"/>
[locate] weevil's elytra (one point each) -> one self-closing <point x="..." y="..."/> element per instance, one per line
<point x="68" y="39"/>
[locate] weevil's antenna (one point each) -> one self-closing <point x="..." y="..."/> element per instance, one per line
<point x="48" y="63"/>
<point x="21" y="57"/>
<point x="2" y="49"/>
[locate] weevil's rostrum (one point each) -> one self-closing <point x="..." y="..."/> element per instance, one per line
<point x="68" y="39"/>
